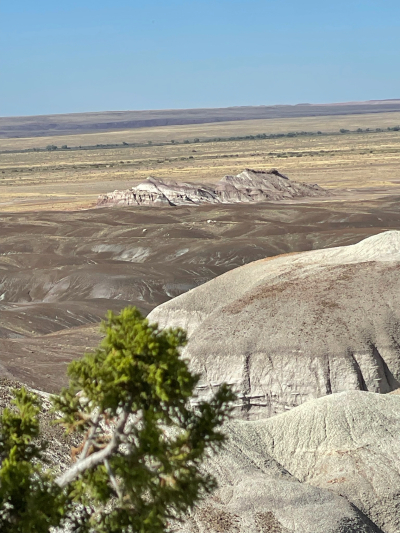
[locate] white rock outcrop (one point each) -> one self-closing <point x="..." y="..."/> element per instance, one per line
<point x="248" y="186"/>
<point x="288" y="329"/>
<point x="348" y="443"/>
<point x="329" y="465"/>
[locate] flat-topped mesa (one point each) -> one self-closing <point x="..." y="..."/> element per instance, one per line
<point x="248" y="186"/>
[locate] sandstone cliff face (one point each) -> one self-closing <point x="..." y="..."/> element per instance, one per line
<point x="248" y="186"/>
<point x="292" y="328"/>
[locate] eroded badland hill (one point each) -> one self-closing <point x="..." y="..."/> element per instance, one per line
<point x="60" y="272"/>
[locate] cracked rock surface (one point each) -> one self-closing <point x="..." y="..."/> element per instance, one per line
<point x="300" y="326"/>
<point x="348" y="443"/>
<point x="329" y="465"/>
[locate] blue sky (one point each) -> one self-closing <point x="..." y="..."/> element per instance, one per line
<point x="74" y="56"/>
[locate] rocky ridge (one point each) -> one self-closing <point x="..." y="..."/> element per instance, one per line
<point x="248" y="186"/>
<point x="73" y="123"/>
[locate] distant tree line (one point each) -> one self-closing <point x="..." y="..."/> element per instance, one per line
<point x="259" y="136"/>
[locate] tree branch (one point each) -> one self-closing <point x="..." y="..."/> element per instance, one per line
<point x="96" y="458"/>
<point x="90" y="436"/>
<point x="114" y="482"/>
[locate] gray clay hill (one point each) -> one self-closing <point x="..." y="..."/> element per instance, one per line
<point x="248" y="186"/>
<point x="60" y="272"/>
<point x="288" y="329"/>
<point x="311" y="342"/>
<point x="331" y="465"/>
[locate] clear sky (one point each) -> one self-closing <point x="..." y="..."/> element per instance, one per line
<point x="94" y="55"/>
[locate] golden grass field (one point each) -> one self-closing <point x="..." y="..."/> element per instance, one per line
<point x="366" y="163"/>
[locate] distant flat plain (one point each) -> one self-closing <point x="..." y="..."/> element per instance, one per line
<point x="36" y="126"/>
<point x="363" y="164"/>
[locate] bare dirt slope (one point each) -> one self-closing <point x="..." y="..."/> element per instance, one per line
<point x="60" y="272"/>
<point x="348" y="443"/>
<point x="299" y="471"/>
<point x="297" y="327"/>
<point x="113" y="120"/>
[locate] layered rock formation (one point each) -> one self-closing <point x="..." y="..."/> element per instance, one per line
<point x="248" y="186"/>
<point x="288" y="329"/>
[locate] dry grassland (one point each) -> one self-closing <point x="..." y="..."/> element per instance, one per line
<point x="205" y="131"/>
<point x="73" y="179"/>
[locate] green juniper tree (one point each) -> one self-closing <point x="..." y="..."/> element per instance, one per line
<point x="29" y="498"/>
<point x="138" y="468"/>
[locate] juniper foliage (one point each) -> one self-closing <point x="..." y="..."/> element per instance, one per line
<point x="29" y="498"/>
<point x="139" y="467"/>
